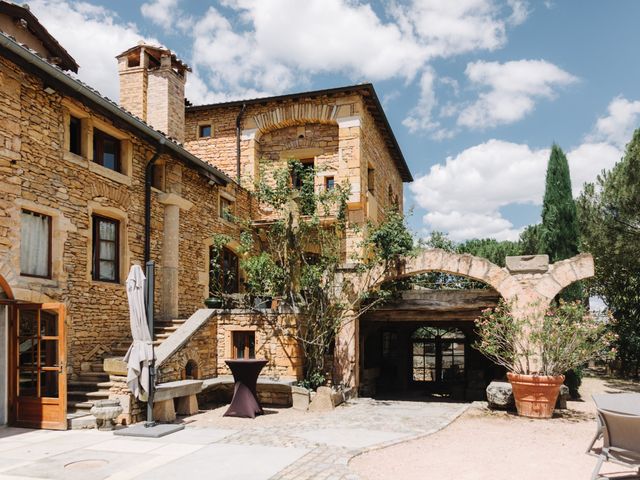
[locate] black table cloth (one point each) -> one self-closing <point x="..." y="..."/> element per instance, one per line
<point x="245" y="402"/>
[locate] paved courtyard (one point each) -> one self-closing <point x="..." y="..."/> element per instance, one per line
<point x="283" y="444"/>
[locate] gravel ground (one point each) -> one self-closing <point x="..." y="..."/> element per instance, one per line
<point x="482" y="445"/>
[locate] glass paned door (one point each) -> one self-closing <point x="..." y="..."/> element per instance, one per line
<point x="39" y="383"/>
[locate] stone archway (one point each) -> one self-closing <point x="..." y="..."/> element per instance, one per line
<point x="528" y="283"/>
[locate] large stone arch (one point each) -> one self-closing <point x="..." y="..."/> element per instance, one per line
<point x="528" y="283"/>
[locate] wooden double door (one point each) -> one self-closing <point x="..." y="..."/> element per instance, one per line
<point x="37" y="376"/>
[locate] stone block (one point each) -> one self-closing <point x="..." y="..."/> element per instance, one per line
<point x="164" y="411"/>
<point x="300" y="398"/>
<point x="528" y="264"/>
<point x="564" y="395"/>
<point x="115" y="366"/>
<point x="322" y="401"/>
<point x="187" y="405"/>
<point x="500" y="396"/>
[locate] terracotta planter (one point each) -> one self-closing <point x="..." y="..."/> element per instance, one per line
<point x="535" y="395"/>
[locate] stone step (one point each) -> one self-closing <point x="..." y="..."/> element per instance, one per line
<point x="79" y="406"/>
<point x="80" y="421"/>
<point x="97" y="367"/>
<point x="95" y="377"/>
<point x="162" y="336"/>
<point x="83" y="385"/>
<point x="82" y="396"/>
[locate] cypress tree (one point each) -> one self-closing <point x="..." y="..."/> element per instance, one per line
<point x="559" y="230"/>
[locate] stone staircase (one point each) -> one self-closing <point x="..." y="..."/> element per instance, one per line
<point x="162" y="329"/>
<point x="94" y="384"/>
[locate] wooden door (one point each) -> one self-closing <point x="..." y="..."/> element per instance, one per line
<point x="38" y="383"/>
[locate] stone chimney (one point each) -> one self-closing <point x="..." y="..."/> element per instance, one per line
<point x="152" y="83"/>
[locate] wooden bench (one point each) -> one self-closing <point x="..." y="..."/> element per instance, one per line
<point x="185" y="391"/>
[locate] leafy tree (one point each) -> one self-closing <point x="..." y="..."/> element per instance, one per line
<point x="302" y="256"/>
<point x="530" y="240"/>
<point x="609" y="215"/>
<point x="491" y="249"/>
<point x="558" y="235"/>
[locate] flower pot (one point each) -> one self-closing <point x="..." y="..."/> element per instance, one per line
<point x="214" y="302"/>
<point x="535" y="395"/>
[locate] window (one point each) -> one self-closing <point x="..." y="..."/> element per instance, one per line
<point x="106" y="150"/>
<point x="244" y="344"/>
<point x="371" y="179"/>
<point x="223" y="272"/>
<point x="226" y="209"/>
<point x="75" y="135"/>
<point x="35" y="245"/>
<point x="329" y="183"/>
<point x="204" y="131"/>
<point x="106" y="249"/>
<point x="438" y="354"/>
<point x="300" y="171"/>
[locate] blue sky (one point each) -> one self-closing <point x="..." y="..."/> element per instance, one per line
<point x="475" y="90"/>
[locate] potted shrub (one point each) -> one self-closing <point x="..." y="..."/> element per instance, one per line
<point x="566" y="337"/>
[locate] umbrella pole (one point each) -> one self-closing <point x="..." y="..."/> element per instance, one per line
<point x="152" y="374"/>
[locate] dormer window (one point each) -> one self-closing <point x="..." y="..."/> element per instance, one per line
<point x="106" y="150"/>
<point x="204" y="131"/>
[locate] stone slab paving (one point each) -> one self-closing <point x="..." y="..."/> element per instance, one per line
<point x="282" y="445"/>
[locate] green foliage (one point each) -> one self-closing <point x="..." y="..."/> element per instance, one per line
<point x="301" y="259"/>
<point x="216" y="289"/>
<point x="530" y="240"/>
<point x="558" y="233"/>
<point x="491" y="249"/>
<point x="566" y="338"/>
<point x="609" y="215"/>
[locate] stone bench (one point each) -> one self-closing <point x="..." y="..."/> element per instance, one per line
<point x="184" y="391"/>
<point x="271" y="392"/>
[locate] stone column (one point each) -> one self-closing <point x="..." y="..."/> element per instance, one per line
<point x="169" y="298"/>
<point x="352" y="168"/>
<point x="346" y="353"/>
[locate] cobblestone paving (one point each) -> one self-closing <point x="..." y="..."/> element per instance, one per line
<point x="333" y="438"/>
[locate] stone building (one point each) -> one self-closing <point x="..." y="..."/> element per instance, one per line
<point x="74" y="216"/>
<point x="89" y="187"/>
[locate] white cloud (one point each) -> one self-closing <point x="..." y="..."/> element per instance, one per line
<point x="618" y="126"/>
<point x="93" y="35"/>
<point x="420" y="116"/>
<point x="589" y="159"/>
<point x="513" y="88"/>
<point x="167" y="14"/>
<point x="519" y="13"/>
<point x="464" y="195"/>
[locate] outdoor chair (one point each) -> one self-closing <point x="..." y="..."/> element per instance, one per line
<point x="621" y="441"/>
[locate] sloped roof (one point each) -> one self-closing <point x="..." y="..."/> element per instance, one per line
<point x="156" y="52"/>
<point x="22" y="12"/>
<point x="366" y="90"/>
<point x="61" y="81"/>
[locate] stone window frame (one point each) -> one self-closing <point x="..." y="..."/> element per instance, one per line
<point x="203" y="274"/>
<point x="230" y="198"/>
<point x="124" y="253"/>
<point x="89" y="122"/>
<point x="228" y="337"/>
<point x="204" y="123"/>
<point x="60" y="225"/>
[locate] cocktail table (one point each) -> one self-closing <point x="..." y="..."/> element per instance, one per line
<point x="245" y="402"/>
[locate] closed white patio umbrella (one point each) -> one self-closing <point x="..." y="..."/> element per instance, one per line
<point x="140" y="354"/>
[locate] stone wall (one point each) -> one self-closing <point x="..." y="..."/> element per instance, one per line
<point x="210" y="343"/>
<point x="273" y="341"/>
<point x="37" y="172"/>
<point x="200" y="348"/>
